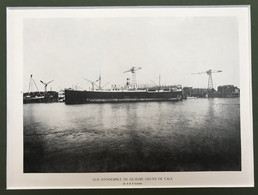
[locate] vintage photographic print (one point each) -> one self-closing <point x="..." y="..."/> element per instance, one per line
<point x="132" y="97"/>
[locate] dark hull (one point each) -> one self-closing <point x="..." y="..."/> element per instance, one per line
<point x="28" y="100"/>
<point x="39" y="100"/>
<point x="81" y="97"/>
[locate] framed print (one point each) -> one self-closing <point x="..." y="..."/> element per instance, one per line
<point x="129" y="97"/>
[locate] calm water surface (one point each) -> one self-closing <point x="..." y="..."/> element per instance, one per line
<point x="190" y="135"/>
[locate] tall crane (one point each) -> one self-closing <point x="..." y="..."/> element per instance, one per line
<point x="133" y="81"/>
<point x="209" y="73"/>
<point x="32" y="81"/>
<point x="46" y="84"/>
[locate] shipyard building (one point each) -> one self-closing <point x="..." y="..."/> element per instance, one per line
<point x="223" y="92"/>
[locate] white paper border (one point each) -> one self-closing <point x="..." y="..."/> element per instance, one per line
<point x="16" y="179"/>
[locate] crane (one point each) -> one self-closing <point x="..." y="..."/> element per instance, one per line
<point x="132" y="70"/>
<point x="32" y="81"/>
<point x="46" y="84"/>
<point x="92" y="83"/>
<point x="209" y="73"/>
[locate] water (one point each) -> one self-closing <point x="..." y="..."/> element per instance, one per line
<point x="189" y="135"/>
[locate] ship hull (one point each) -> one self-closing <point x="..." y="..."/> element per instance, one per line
<point x="28" y="100"/>
<point x="81" y="97"/>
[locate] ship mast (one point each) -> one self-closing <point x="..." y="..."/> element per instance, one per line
<point x="158" y="86"/>
<point x="99" y="80"/>
<point x="159" y="81"/>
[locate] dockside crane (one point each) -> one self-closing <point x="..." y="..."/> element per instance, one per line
<point x="133" y="81"/>
<point x="209" y="73"/>
<point x="46" y="84"/>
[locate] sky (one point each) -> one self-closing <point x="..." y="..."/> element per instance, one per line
<point x="67" y="50"/>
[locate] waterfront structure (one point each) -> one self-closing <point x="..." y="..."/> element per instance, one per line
<point x="228" y="91"/>
<point x="39" y="96"/>
<point x="223" y="91"/>
<point x="195" y="92"/>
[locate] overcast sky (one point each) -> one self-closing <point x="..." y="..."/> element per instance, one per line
<point x="69" y="49"/>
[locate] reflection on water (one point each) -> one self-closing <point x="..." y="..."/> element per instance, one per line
<point x="190" y="135"/>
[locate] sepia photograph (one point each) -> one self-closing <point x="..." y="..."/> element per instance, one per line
<point x="121" y="91"/>
<point x="131" y="94"/>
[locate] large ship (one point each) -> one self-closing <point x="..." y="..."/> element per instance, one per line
<point x="129" y="93"/>
<point x="80" y="97"/>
